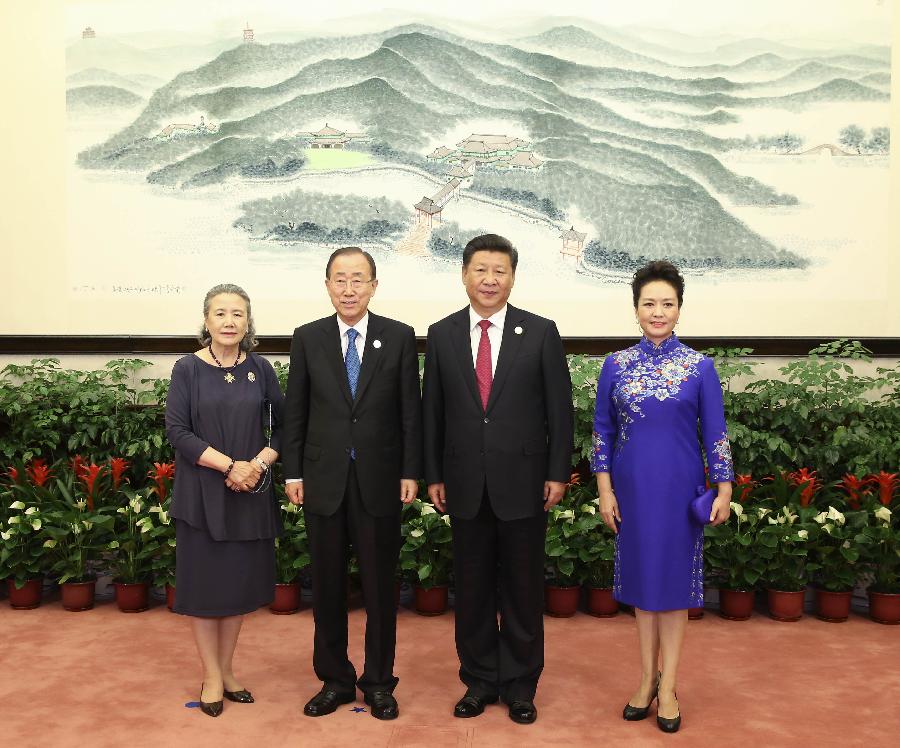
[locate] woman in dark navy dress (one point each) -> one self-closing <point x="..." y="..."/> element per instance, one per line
<point x="223" y="419"/>
<point x="648" y="462"/>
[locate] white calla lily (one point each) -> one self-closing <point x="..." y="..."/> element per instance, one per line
<point x="417" y="533"/>
<point x="803" y="534"/>
<point x="737" y="509"/>
<point x="17" y="505"/>
<point x="30" y="510"/>
<point x="884" y="514"/>
<point x="428" y="509"/>
<point x="836" y="516"/>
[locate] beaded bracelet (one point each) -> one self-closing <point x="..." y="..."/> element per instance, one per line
<point x="228" y="470"/>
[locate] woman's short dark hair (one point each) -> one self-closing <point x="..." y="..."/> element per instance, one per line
<point x="249" y="341"/>
<point x="349" y="251"/>
<point x="491" y="243"/>
<point x="658" y="270"/>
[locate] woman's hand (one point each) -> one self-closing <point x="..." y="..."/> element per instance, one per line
<point x="609" y="510"/>
<point x="721" y="508"/>
<point x="243" y="476"/>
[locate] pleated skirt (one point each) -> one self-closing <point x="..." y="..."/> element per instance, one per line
<point x="218" y="578"/>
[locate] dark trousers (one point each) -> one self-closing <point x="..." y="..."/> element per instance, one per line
<point x="502" y="660"/>
<point x="376" y="542"/>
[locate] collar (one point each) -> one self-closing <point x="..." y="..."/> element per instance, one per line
<point x="498" y="319"/>
<point x="667" y="346"/>
<point x="361" y="327"/>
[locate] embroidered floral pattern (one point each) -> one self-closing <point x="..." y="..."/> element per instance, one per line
<point x="600" y="460"/>
<point x="654" y="376"/>
<point x="721" y="468"/>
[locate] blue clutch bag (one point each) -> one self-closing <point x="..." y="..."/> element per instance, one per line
<point x="702" y="505"/>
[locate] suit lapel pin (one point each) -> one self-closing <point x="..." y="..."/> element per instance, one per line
<point x="376" y="344"/>
<point x="251" y="376"/>
<point x="518" y="330"/>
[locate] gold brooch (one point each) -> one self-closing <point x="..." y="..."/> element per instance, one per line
<point x="229" y="377"/>
<point x="251" y="376"/>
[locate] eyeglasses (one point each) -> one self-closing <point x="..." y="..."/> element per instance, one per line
<point x="342" y="283"/>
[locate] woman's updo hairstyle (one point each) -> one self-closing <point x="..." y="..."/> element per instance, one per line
<point x="658" y="270"/>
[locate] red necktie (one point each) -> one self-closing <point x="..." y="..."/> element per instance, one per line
<point x="483" y="363"/>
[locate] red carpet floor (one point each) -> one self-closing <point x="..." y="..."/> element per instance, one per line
<point x="104" y="678"/>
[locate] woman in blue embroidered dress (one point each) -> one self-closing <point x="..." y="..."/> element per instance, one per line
<point x="648" y="463"/>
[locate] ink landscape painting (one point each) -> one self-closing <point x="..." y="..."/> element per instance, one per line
<point x="248" y="152"/>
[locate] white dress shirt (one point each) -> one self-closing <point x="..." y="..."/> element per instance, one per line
<point x="495" y="334"/>
<point x="362" y="327"/>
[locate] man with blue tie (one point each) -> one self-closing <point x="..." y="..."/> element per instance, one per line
<point x="352" y="452"/>
<point x="497" y="403"/>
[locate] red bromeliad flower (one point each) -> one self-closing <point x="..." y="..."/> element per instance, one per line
<point x="746" y="484"/>
<point x="887" y="485"/>
<point x="854" y="487"/>
<point x="574" y="480"/>
<point x="811" y="484"/>
<point x="162" y="473"/>
<point x="39" y="472"/>
<point x="89" y="475"/>
<point x="117" y="467"/>
<point x="13" y="474"/>
<point x="78" y="465"/>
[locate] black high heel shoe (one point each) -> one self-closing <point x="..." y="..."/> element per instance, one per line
<point x="241" y="697"/>
<point x="211" y="708"/>
<point x="636" y="713"/>
<point x="667" y="724"/>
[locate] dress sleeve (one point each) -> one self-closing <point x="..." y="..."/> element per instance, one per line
<point x="178" y="415"/>
<point x="276" y="398"/>
<point x="712" y="425"/>
<point x="605" y="422"/>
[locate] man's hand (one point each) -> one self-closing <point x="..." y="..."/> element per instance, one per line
<point x="553" y="493"/>
<point x="294" y="491"/>
<point x="438" y="496"/>
<point x="408" y="490"/>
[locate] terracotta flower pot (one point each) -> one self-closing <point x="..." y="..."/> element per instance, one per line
<point x="736" y="605"/>
<point x="786" y="605"/>
<point x="132" y="597"/>
<point x="26" y="598"/>
<point x="170" y="596"/>
<point x="78" y="596"/>
<point x="601" y="603"/>
<point x="884" y="607"/>
<point x="431" y="601"/>
<point x="286" y="600"/>
<point x="695" y="614"/>
<point x="833" y="607"/>
<point x="561" y="602"/>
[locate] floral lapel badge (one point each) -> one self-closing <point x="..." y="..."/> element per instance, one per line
<point x="251" y="376"/>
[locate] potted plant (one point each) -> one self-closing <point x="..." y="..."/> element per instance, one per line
<point x="731" y="553"/>
<point x="22" y="555"/>
<point x="784" y="543"/>
<point x="162" y="564"/>
<point x="75" y="540"/>
<point x="835" y="552"/>
<point x="881" y="552"/>
<point x="596" y="560"/>
<point x="562" y="543"/>
<point x="137" y="537"/>
<point x="427" y="555"/>
<point x="291" y="557"/>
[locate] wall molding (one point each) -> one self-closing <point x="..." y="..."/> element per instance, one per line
<point x="131" y="345"/>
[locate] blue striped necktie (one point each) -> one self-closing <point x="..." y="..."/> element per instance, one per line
<point x="351" y="360"/>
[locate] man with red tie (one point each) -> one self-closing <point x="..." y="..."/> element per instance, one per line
<point x="497" y="406"/>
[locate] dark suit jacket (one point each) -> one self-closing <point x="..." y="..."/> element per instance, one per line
<point x="383" y="424"/>
<point x="523" y="438"/>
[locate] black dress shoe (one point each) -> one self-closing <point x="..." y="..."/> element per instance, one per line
<point x="472" y="706"/>
<point x="635" y="713"/>
<point x="326" y="701"/>
<point x="384" y="705"/>
<point x="523" y="712"/>
<point x="241" y="697"/>
<point x="669" y="724"/>
<point x="211" y="708"/>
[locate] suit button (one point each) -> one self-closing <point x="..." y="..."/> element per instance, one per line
<point x="487" y="420"/>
